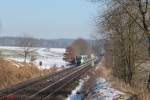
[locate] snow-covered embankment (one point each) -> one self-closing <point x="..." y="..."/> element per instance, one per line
<point x="101" y="90"/>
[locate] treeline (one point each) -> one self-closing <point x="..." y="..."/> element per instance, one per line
<point x="126" y="24"/>
<point x="52" y="43"/>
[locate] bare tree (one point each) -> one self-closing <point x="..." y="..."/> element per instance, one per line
<point x="97" y="45"/>
<point x="77" y="47"/>
<point x="27" y="42"/>
<point x="69" y="55"/>
<point x="80" y="46"/>
<point x="123" y="24"/>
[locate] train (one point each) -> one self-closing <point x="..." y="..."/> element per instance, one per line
<point x="80" y="59"/>
<point x="77" y="59"/>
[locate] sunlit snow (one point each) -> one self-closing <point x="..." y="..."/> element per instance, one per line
<point x="104" y="91"/>
<point x="48" y="56"/>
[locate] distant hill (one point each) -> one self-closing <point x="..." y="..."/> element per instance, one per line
<point x="52" y="43"/>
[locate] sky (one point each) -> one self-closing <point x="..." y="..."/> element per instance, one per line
<point x="49" y="19"/>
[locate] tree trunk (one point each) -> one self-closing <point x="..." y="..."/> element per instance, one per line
<point x="148" y="82"/>
<point x="149" y="46"/>
<point x="25" y="57"/>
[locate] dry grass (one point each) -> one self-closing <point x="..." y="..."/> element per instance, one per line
<point x="12" y="72"/>
<point x="89" y="84"/>
<point x="139" y="93"/>
<point x="103" y="70"/>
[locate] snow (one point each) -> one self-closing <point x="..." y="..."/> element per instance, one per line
<point x="58" y="50"/>
<point x="101" y="91"/>
<point x="11" y="48"/>
<point x="48" y="56"/>
<point x="50" y="62"/>
<point x="16" y="65"/>
<point x="19" y="59"/>
<point x="74" y="95"/>
<point x="104" y="91"/>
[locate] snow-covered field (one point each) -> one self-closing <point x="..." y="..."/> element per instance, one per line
<point x="48" y="56"/>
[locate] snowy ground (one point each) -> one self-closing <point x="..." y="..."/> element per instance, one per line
<point x="74" y="94"/>
<point x="48" y="56"/>
<point x="104" y="91"/>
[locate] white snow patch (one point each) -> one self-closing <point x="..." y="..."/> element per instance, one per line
<point x="50" y="62"/>
<point x="50" y="57"/>
<point x="58" y="50"/>
<point x="19" y="59"/>
<point x="16" y="65"/>
<point x="11" y="48"/>
<point x="104" y="91"/>
<point x="20" y="64"/>
<point x="74" y="95"/>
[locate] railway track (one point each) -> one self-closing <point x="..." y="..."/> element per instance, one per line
<point x="22" y="85"/>
<point x="43" y="88"/>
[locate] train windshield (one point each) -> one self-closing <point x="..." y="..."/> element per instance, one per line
<point x="78" y="58"/>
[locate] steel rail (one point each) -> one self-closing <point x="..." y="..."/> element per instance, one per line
<point x="36" y="81"/>
<point x="28" y="82"/>
<point x="73" y="78"/>
<point x="26" y="91"/>
<point x="17" y="94"/>
<point x="51" y="85"/>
